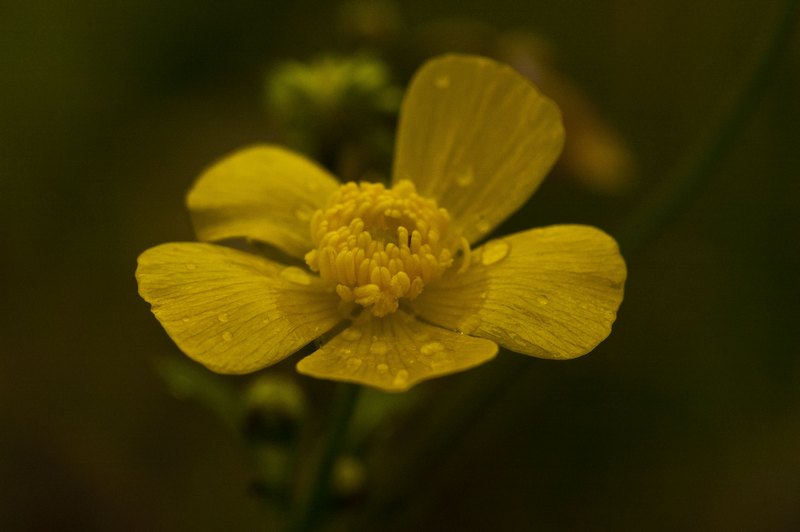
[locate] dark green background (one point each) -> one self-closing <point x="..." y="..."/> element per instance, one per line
<point x="688" y="417"/>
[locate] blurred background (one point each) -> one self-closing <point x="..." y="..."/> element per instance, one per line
<point x="687" y="417"/>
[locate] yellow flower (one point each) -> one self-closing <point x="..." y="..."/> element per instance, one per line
<point x="390" y="271"/>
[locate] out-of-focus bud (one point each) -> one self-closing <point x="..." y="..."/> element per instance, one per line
<point x="275" y="408"/>
<point x="349" y="477"/>
<point x="340" y="110"/>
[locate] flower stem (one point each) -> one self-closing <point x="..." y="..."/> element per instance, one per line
<point x="694" y="170"/>
<point x="311" y="508"/>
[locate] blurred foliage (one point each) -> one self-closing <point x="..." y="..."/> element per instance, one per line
<point x="688" y="417"/>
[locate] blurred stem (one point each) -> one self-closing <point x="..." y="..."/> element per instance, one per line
<point x="311" y="508"/>
<point x="442" y="428"/>
<point x="694" y="170"/>
<point x="646" y="223"/>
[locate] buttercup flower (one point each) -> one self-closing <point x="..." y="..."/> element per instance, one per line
<point x="391" y="272"/>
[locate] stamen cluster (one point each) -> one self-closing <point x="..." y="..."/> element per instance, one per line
<point x="380" y="245"/>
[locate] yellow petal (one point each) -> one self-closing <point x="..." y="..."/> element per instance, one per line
<point x="262" y="192"/>
<point x="394" y="353"/>
<point x="477" y="137"/>
<point x="232" y="311"/>
<point x="551" y="292"/>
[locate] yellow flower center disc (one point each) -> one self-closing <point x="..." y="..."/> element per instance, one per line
<point x="380" y="245"/>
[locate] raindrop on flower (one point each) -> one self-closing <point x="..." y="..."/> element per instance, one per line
<point x="543" y="300"/>
<point x="465" y="178"/>
<point x="494" y="251"/>
<point x="401" y="379"/>
<point x="442" y="82"/>
<point x="378" y="348"/>
<point x="223" y="317"/>
<point x="431" y="348"/>
<point x="227" y="336"/>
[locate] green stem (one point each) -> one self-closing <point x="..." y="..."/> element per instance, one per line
<point x="692" y="172"/>
<point x="311" y="508"/>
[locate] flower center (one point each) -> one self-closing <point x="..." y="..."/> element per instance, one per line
<point x="380" y="245"/>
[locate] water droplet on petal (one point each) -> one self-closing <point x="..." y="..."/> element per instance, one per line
<point x="383" y="369"/>
<point x="223" y="317"/>
<point x="351" y="335"/>
<point x="295" y="275"/>
<point x="543" y="300"/>
<point x="378" y="348"/>
<point x="302" y="215"/>
<point x="483" y="226"/>
<point x="353" y="363"/>
<point x="440" y="359"/>
<point x="494" y="251"/>
<point x="401" y="379"/>
<point x="227" y="336"/>
<point x="442" y="82"/>
<point x="191" y="266"/>
<point x="186" y="320"/>
<point x="431" y="348"/>
<point x="465" y="178"/>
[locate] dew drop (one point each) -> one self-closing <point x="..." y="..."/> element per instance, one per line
<point x="465" y="178"/>
<point x="353" y="363"/>
<point x="378" y="348"/>
<point x="442" y="82"/>
<point x="439" y="360"/>
<point x="227" y="336"/>
<point x="186" y="320"/>
<point x="401" y="379"/>
<point x="223" y="317"/>
<point x="383" y="369"/>
<point x="351" y="335"/>
<point x="431" y="348"/>
<point x="543" y="300"/>
<point x="302" y="215"/>
<point x="494" y="251"/>
<point x="295" y="275"/>
<point x="483" y="226"/>
<point x="191" y="266"/>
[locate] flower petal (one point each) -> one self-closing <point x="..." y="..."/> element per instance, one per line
<point x="232" y="311"/>
<point x="477" y="137"/>
<point x="263" y="192"/>
<point x="551" y="292"/>
<point x="394" y="353"/>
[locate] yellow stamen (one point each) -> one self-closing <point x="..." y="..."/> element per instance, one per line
<point x="381" y="245"/>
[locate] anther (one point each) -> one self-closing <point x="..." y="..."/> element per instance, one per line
<point x="382" y="245"/>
